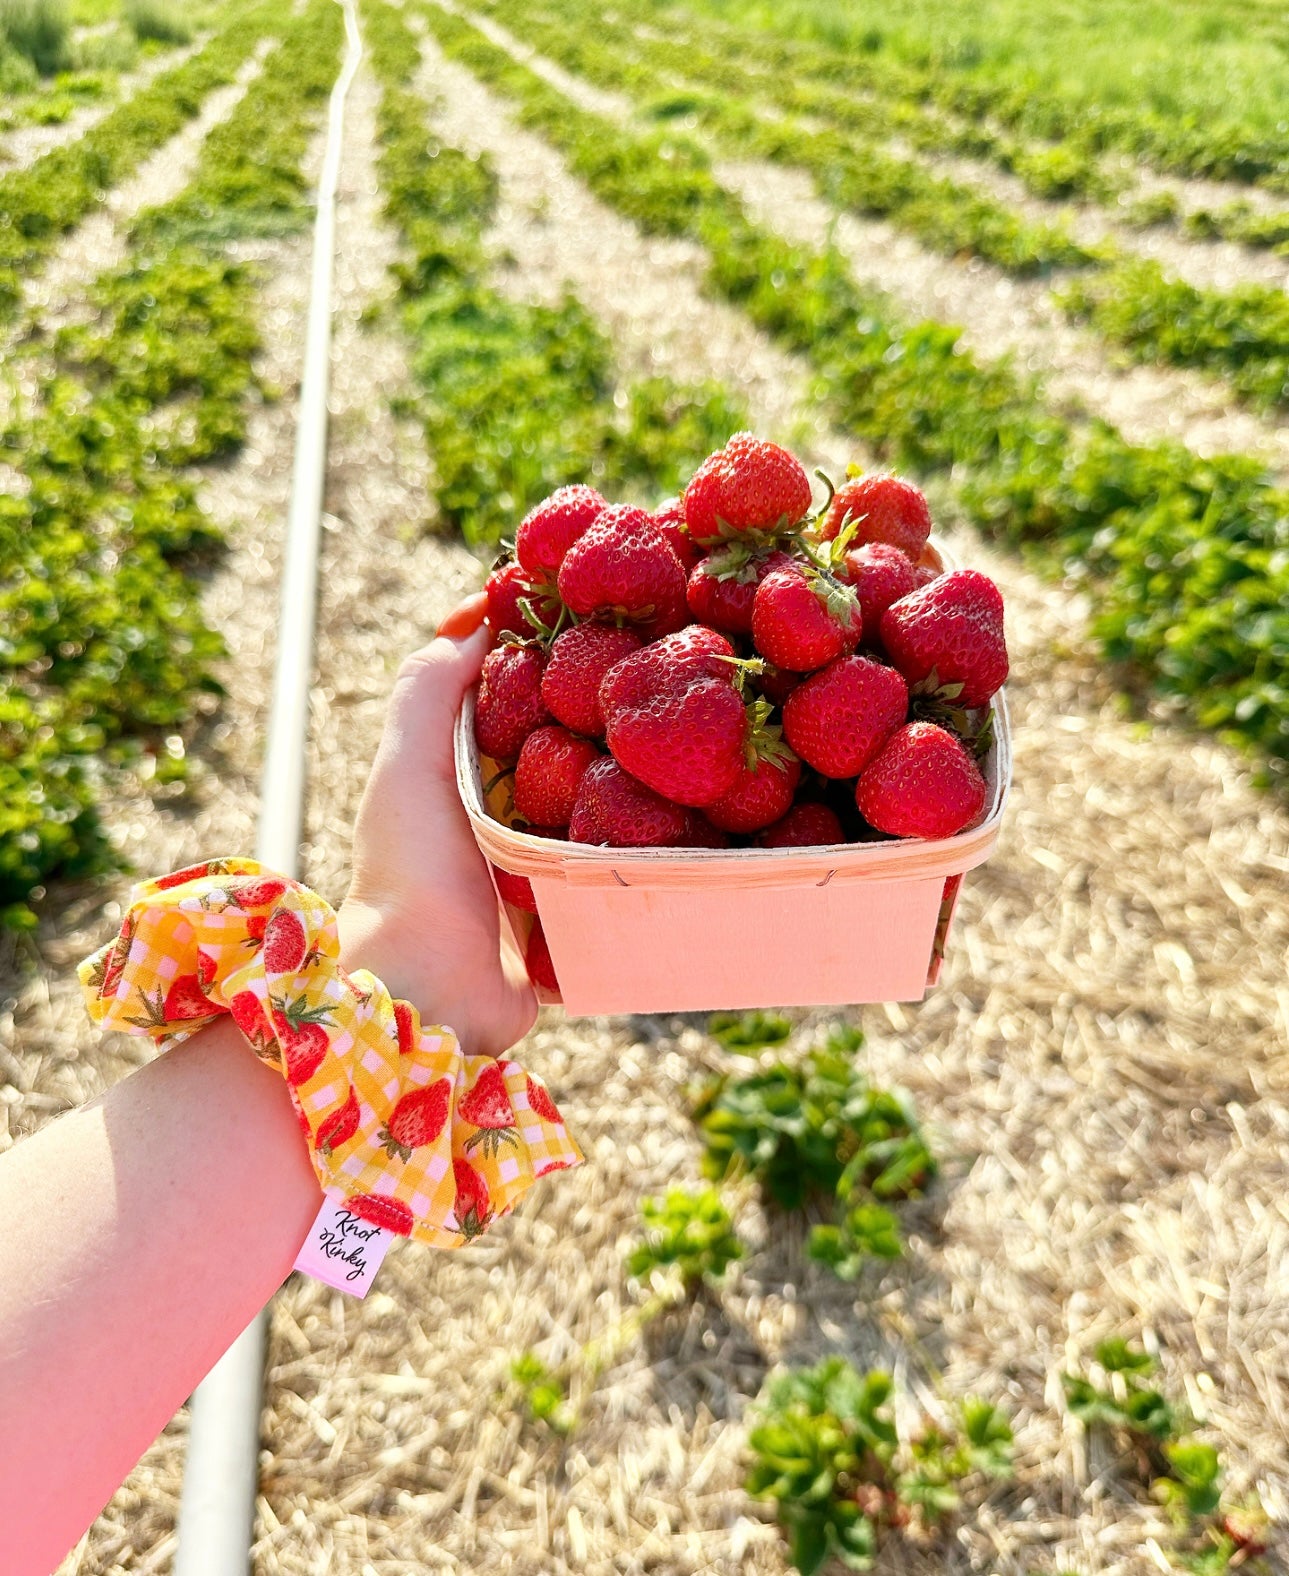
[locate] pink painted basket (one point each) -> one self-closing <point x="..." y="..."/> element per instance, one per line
<point x="680" y="930"/>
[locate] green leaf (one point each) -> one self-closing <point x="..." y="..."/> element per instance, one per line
<point x="1117" y="1356"/>
<point x="748" y="1031"/>
<point x="691" y="1231"/>
<point x="1198" y="1471"/>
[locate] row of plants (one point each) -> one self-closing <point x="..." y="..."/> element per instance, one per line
<point x="1234" y="221"/>
<point x="1241" y="334"/>
<point x="105" y="652"/>
<point x="682" y="79"/>
<point x="511" y="394"/>
<point x="877" y="101"/>
<point x="1198" y="139"/>
<point x="40" y="204"/>
<point x="37" y="40"/>
<point x="1184" y="556"/>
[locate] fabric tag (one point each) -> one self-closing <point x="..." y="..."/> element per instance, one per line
<point x="342" y="1250"/>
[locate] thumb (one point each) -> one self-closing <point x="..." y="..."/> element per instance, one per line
<point x="428" y="692"/>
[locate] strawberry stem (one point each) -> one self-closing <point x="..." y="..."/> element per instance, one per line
<point x="506" y="771"/>
<point x="832" y="493"/>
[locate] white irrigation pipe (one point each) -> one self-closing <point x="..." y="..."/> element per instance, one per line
<point x="221" y="1476"/>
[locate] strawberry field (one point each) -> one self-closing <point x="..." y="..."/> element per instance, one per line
<point x="995" y="1282"/>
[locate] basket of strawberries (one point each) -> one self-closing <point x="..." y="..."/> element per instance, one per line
<point x="736" y="752"/>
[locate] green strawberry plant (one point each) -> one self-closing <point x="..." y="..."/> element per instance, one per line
<point x="813" y="1128"/>
<point x="863" y="1232"/>
<point x="1184" y="1474"/>
<point x="691" y="1233"/>
<point x="748" y="1032"/>
<point x="825" y="1449"/>
<point x="816" y="1128"/>
<point x="544" y="1394"/>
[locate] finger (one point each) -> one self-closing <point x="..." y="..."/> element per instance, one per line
<point x="427" y="695"/>
<point x="465" y="617"/>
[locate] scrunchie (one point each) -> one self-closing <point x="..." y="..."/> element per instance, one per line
<point x="421" y="1139"/>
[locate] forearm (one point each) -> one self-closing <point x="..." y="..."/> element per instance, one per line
<point x="141" y="1234"/>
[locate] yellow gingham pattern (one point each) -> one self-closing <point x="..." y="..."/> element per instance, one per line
<point x="420" y="1137"/>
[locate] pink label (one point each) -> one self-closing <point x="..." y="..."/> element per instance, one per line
<point x="341" y="1250"/>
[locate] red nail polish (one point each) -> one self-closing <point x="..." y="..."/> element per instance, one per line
<point x="465" y="618"/>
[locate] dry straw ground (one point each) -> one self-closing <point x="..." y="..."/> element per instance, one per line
<point x="1104" y="1068"/>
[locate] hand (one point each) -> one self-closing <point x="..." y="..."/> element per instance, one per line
<point x="421" y="913"/>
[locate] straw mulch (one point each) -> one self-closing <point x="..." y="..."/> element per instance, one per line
<point x="1104" y="1068"/>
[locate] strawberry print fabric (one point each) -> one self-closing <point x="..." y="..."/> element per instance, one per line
<point x="421" y="1138"/>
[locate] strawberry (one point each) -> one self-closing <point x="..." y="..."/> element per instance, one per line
<point x="540" y="1101"/>
<point x="547" y="774"/>
<point x="804" y="826"/>
<point x="515" y="890"/>
<point x="473" y="1206"/>
<point x="879" y="574"/>
<point x="669" y="517"/>
<point x="487" y="1106"/>
<point x="304" y="1049"/>
<point x="377" y="1209"/>
<point x="302" y="1033"/>
<point x="674" y="717"/>
<point x="284" y="943"/>
<point x="702" y="834"/>
<point x="762" y="794"/>
<point x="302" y="1122"/>
<point x="749" y="485"/>
<point x="547" y="532"/>
<point x="950" y="633"/>
<point x="613" y="808"/>
<point x="339" y="1127"/>
<point x="248" y="1015"/>
<point x="206" y="968"/>
<point x="924" y="574"/>
<point x="623" y="568"/>
<point x="776" y="684"/>
<point x="189" y="873"/>
<point x="575" y="668"/>
<point x="418" y="1119"/>
<point x="804" y="618"/>
<point x="839" y="718"/>
<point x="406" y="1029"/>
<point x="186" y="999"/>
<point x="509" y="704"/>
<point x="256" y="925"/>
<point x="114" y="961"/>
<point x="923" y="783"/>
<point x="254" y="892"/>
<point x="508" y="586"/>
<point x="723" y="586"/>
<point x="882" y="509"/>
<point x="537" y="960"/>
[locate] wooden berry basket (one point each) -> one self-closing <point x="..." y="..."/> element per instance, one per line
<point x="680" y="930"/>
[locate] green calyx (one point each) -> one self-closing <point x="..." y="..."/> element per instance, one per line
<point x="931" y="701"/>
<point x="757" y="539"/>
<point x="744" y="668"/>
<point x="839" y="600"/>
<point x="298" y="1012"/>
<point x="534" y="607"/>
<point x="765" y="743"/>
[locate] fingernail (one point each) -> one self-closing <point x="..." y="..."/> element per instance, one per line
<point x="465" y="617"/>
